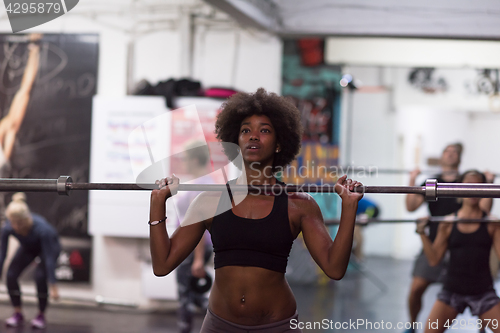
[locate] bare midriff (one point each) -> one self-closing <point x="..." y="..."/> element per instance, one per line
<point x="251" y="296"/>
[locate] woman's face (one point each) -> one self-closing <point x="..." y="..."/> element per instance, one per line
<point x="20" y="226"/>
<point x="257" y="140"/>
<point x="450" y="156"/>
<point x="472" y="178"/>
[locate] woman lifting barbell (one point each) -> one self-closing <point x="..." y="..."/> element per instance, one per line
<point x="252" y="238"/>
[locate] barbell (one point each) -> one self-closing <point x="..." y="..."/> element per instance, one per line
<point x="432" y="190"/>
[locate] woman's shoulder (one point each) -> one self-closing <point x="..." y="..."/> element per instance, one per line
<point x="445" y="223"/>
<point x="494" y="224"/>
<point x="42" y="225"/>
<point x="38" y="218"/>
<point x="301" y="197"/>
<point x="449" y="218"/>
<point x="6" y="228"/>
<point x="303" y="202"/>
<point x="491" y="217"/>
<point x="202" y="208"/>
<point x="207" y="197"/>
<point x="40" y="221"/>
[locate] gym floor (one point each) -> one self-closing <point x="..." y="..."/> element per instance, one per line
<point x="374" y="291"/>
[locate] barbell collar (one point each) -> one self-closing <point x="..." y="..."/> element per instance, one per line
<point x="62" y="185"/>
<point x="431" y="186"/>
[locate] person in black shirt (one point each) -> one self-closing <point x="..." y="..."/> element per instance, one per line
<point x="423" y="273"/>
<point x="468" y="281"/>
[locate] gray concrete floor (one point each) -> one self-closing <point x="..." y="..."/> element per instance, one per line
<point x="374" y="292"/>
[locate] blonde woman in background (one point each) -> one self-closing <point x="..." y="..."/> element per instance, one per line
<point x="37" y="238"/>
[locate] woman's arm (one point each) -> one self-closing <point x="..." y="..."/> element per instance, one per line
<point x="487" y="203"/>
<point x="4" y="242"/>
<point x="434" y="251"/>
<point x="413" y="201"/>
<point x="54" y="291"/>
<point x="496" y="237"/>
<point x="168" y="252"/>
<point x="332" y="256"/>
<point x="51" y="248"/>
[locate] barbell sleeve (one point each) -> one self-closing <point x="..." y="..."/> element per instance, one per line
<point x="435" y="219"/>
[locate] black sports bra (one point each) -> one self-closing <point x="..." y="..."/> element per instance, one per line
<point x="264" y="242"/>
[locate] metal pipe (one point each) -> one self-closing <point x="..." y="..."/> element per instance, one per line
<point x="466" y="190"/>
<point x="28" y="185"/>
<point x="430" y="219"/>
<point x="431" y="190"/>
